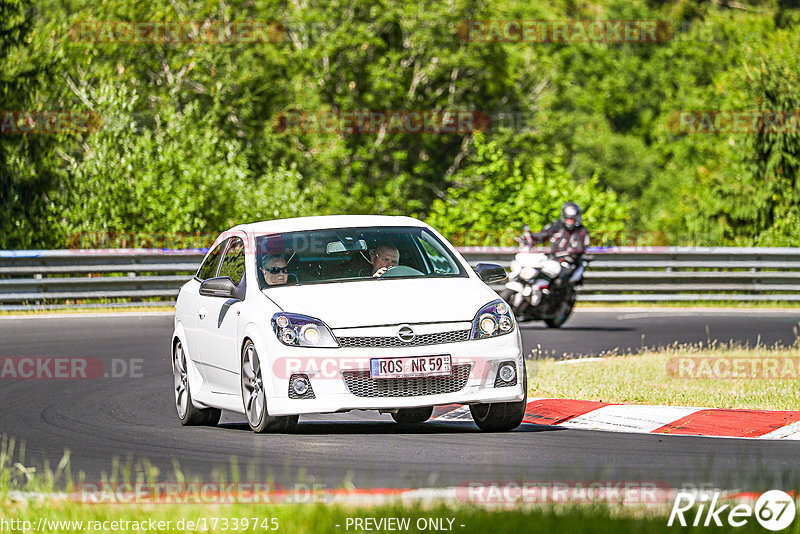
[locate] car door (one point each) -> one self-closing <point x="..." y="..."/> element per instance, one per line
<point x="218" y="321"/>
<point x="188" y="301"/>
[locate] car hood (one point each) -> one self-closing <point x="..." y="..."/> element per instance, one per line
<point x="385" y="302"/>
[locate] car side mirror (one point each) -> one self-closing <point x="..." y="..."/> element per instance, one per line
<point x="490" y="272"/>
<point x="222" y="286"/>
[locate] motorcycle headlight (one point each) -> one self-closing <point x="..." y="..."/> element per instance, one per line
<point x="527" y="273"/>
<point x="297" y="330"/>
<point x="494" y="319"/>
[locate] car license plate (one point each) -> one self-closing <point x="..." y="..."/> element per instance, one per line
<point x="418" y="366"/>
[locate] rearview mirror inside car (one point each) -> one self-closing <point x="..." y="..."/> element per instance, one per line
<point x="346" y="245"/>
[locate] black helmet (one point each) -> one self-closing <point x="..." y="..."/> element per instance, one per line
<point x="571" y="215"/>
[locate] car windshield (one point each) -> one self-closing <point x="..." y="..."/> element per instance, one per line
<point x="351" y="254"/>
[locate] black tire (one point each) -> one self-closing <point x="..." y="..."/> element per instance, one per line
<point x="253" y="395"/>
<point x="501" y="416"/>
<point x="213" y="416"/>
<point x="562" y="313"/>
<point x="412" y="416"/>
<point x="283" y="424"/>
<point x="188" y="413"/>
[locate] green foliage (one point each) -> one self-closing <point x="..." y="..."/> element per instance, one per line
<point x="774" y="156"/>
<point x="395" y="57"/>
<point x="28" y="188"/>
<point x="179" y="175"/>
<point x="189" y="144"/>
<point x="495" y="197"/>
<point x="737" y="188"/>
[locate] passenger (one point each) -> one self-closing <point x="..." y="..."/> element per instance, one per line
<point x="274" y="269"/>
<point x="383" y="258"/>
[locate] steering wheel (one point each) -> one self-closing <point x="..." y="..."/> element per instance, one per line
<point x="401" y="270"/>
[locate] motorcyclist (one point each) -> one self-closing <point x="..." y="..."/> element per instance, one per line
<point x="568" y="239"/>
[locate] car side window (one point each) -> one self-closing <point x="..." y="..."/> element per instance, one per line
<point x="209" y="267"/>
<point x="233" y="262"/>
<point x="439" y="260"/>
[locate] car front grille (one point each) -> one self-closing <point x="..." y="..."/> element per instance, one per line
<point x="394" y="341"/>
<point x="361" y="384"/>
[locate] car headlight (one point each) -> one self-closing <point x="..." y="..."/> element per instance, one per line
<point x="494" y="319"/>
<point x="298" y="330"/>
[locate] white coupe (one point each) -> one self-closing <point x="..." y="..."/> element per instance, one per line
<point x="338" y="313"/>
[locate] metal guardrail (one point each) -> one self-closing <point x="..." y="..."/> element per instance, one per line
<point x="37" y="277"/>
<point x="660" y="274"/>
<point x="618" y="274"/>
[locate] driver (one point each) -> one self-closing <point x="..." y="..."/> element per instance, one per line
<point x="274" y="269"/>
<point x="383" y="258"/>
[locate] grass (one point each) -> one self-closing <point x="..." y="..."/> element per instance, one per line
<point x="657" y="377"/>
<point x="28" y="495"/>
<point x="71" y="515"/>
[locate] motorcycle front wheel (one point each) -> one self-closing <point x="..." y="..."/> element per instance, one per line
<point x="562" y="312"/>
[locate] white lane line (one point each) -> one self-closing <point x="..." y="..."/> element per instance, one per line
<point x="88" y="315"/>
<point x="428" y="494"/>
<point x="629" y="418"/>
<point x="579" y="360"/>
<point x="459" y="414"/>
<point x="685" y="309"/>
<point x="786" y="432"/>
<point x="706" y="312"/>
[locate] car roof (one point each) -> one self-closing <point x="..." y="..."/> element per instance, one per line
<point x="326" y="221"/>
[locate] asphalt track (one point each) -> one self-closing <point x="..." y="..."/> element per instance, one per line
<point x="133" y="418"/>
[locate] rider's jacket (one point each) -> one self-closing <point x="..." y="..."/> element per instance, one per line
<point x="574" y="242"/>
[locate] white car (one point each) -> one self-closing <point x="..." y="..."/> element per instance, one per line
<point x="337" y="334"/>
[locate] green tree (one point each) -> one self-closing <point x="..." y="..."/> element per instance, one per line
<point x="495" y="197"/>
<point x="379" y="56"/>
<point x="29" y="190"/>
<point x="178" y="177"/>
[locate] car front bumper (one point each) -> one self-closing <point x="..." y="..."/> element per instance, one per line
<point x="326" y="368"/>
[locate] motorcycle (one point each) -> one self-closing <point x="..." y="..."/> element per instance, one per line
<point x="534" y="290"/>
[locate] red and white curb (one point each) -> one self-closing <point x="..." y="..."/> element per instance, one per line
<point x="673" y="420"/>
